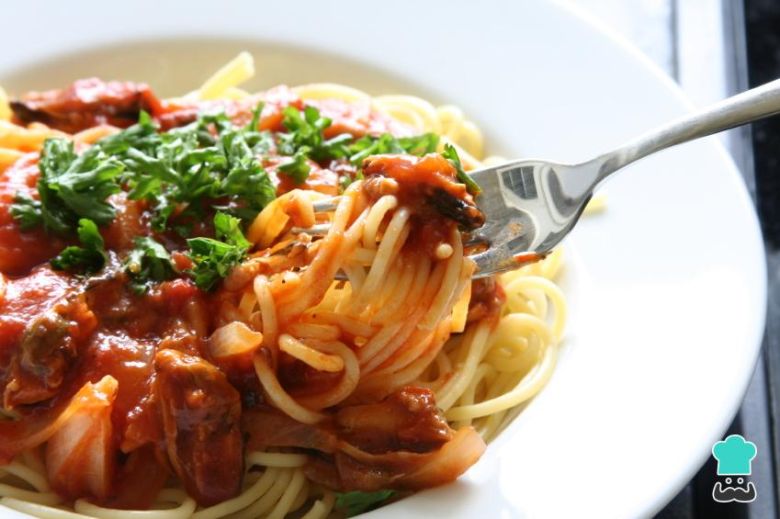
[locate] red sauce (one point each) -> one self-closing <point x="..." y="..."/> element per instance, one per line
<point x="175" y="411"/>
<point x="240" y="111"/>
<point x="87" y="103"/>
<point x="276" y="100"/>
<point x="130" y="222"/>
<point x="26" y="298"/>
<point x="21" y="251"/>
<point x="416" y="177"/>
<point x="487" y="298"/>
<point x="301" y="380"/>
<point x="429" y="188"/>
<point x="528" y="257"/>
<point x="357" y="119"/>
<point x="319" y="179"/>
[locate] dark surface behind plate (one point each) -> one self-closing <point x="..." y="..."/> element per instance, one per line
<point x="763" y="53"/>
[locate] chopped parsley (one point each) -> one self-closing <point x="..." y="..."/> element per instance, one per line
<point x="71" y="187"/>
<point x="183" y="175"/>
<point x="386" y="143"/>
<point x="214" y="258"/>
<point x="305" y="140"/>
<point x="297" y="168"/>
<point x="147" y="263"/>
<point x="175" y="171"/>
<point x="451" y="154"/>
<point x="178" y="171"/>
<point x="305" y="129"/>
<point x="89" y="258"/>
<point x="355" y="503"/>
<point x="27" y="212"/>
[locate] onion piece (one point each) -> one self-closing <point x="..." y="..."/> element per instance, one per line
<point x="17" y="436"/>
<point x="234" y="338"/>
<point x="81" y="455"/>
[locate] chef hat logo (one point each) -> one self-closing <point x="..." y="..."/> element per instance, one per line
<point x="734" y="455"/>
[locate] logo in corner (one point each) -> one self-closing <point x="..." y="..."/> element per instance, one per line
<point x="734" y="456"/>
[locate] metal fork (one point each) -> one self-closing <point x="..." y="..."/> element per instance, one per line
<point x="530" y="205"/>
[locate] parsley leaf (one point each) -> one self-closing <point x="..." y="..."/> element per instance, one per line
<point x="148" y="262"/>
<point x="305" y="132"/>
<point x="228" y="228"/>
<point x="245" y="178"/>
<point x="451" y="154"/>
<point x="305" y="140"/>
<point x="420" y="144"/>
<point x="27" y="212"/>
<point x="90" y="257"/>
<point x="354" y="503"/>
<point x="142" y="136"/>
<point x="333" y="148"/>
<point x="304" y="129"/>
<point x="215" y="258"/>
<point x="387" y="143"/>
<point x="255" y="121"/>
<point x="208" y="159"/>
<point x="297" y="168"/>
<point x="70" y="187"/>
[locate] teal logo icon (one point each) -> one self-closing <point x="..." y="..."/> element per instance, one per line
<point x="735" y="457"/>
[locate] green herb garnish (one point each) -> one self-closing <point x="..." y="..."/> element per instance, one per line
<point x="451" y="154"/>
<point x="183" y="175"/>
<point x="182" y="168"/>
<point x="215" y="258"/>
<point x="147" y="263"/>
<point x="70" y="187"/>
<point x="305" y="140"/>
<point x="297" y="168"/>
<point x="354" y="503"/>
<point x="89" y="258"/>
<point x="386" y="143"/>
<point x="27" y="212"/>
<point x="304" y="129"/>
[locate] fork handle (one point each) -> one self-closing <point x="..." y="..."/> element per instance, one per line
<point x="737" y="110"/>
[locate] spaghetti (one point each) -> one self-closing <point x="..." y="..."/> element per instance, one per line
<point x="293" y="355"/>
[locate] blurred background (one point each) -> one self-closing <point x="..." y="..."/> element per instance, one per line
<point x="713" y="49"/>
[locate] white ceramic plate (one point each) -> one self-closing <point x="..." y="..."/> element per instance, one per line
<point x="667" y="287"/>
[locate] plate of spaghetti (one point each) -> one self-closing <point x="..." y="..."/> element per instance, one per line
<point x="240" y="285"/>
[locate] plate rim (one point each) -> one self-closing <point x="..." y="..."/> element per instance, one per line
<point x="570" y="9"/>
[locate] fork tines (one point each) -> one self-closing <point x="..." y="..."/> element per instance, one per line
<point x="326" y="205"/>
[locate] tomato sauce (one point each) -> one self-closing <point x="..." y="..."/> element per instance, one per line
<point x="175" y="411"/>
<point x="429" y="188"/>
<point x="87" y="103"/>
<point x="24" y="300"/>
<point x="21" y="251"/>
